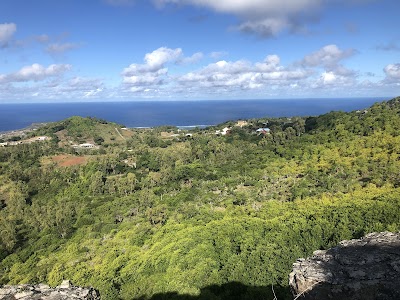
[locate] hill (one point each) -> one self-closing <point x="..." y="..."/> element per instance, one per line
<point x="78" y="130"/>
<point x="167" y="214"/>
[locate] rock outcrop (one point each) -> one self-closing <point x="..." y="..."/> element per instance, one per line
<point x="366" y="268"/>
<point x="65" y="291"/>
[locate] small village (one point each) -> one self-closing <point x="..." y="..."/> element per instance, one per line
<point x="19" y="137"/>
<point x="46" y="138"/>
<point x="219" y="132"/>
<point x="26" y="141"/>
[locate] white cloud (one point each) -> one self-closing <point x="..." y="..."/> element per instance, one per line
<point x="153" y="71"/>
<point x="83" y="87"/>
<point x="328" y="78"/>
<point x="262" y="17"/>
<point x="35" y="72"/>
<point x="138" y="77"/>
<point x="243" y="75"/>
<point x="192" y="59"/>
<point x="55" y="88"/>
<point x="327" y="56"/>
<point x="156" y="59"/>
<point x="335" y="74"/>
<point x="7" y="30"/>
<point x="154" y="78"/>
<point x="338" y="79"/>
<point x="270" y="64"/>
<point x="83" y="83"/>
<point x="343" y="71"/>
<point x="154" y="62"/>
<point x="92" y="93"/>
<point x="392" y="72"/>
<point x="319" y="73"/>
<point x="236" y="78"/>
<point x="249" y="7"/>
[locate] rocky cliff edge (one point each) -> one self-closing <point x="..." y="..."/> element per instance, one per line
<point x="65" y="291"/>
<point x="366" y="268"/>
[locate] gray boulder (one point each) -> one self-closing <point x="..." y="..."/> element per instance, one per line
<point x="65" y="291"/>
<point x="359" y="269"/>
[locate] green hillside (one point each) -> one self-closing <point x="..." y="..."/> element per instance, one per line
<point x="163" y="214"/>
<point x="76" y="130"/>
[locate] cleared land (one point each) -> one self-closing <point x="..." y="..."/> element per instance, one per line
<point x="66" y="160"/>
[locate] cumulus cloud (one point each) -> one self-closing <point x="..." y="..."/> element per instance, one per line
<point x="248" y="7"/>
<point x="327" y="56"/>
<point x="392" y="72"/>
<point x="153" y="71"/>
<point x="156" y="59"/>
<point x="7" y="30"/>
<point x="223" y="77"/>
<point x="152" y="77"/>
<point x="83" y="87"/>
<point x="83" y="83"/>
<point x="35" y="72"/>
<point x="56" y="88"/>
<point x="262" y="17"/>
<point x="243" y="75"/>
<point x="332" y="79"/>
<point x="270" y="64"/>
<point x="322" y="69"/>
<point x="192" y="59"/>
<point x="37" y="81"/>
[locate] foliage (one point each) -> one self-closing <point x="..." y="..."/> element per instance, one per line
<point x="149" y="215"/>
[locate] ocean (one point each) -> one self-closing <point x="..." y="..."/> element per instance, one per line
<point x="176" y="113"/>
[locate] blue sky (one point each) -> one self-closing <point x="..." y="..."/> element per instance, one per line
<point x="71" y="50"/>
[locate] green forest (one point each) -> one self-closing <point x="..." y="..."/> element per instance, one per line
<point x="163" y="213"/>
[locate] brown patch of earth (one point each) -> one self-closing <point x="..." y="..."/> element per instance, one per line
<point x="65" y="160"/>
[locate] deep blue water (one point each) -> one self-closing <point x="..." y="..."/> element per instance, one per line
<point x="178" y="113"/>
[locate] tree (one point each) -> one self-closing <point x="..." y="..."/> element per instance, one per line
<point x="8" y="232"/>
<point x="96" y="183"/>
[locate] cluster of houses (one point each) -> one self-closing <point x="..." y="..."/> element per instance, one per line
<point x="227" y="130"/>
<point x="263" y="131"/>
<point x="45" y="138"/>
<point x="85" y="146"/>
<point x="224" y="131"/>
<point x="28" y="141"/>
<point x="178" y="135"/>
<point x="220" y="132"/>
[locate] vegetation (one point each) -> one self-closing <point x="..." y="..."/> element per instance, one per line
<point x="155" y="214"/>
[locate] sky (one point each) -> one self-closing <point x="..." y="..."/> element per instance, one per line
<point x="123" y="50"/>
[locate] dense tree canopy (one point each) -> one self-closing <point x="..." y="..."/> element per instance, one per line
<point x="155" y="211"/>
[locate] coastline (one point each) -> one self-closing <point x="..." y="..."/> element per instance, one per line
<point x="192" y="114"/>
<point x="21" y="131"/>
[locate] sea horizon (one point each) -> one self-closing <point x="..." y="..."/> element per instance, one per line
<point x="180" y="113"/>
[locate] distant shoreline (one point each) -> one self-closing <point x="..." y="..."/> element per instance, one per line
<point x="97" y="101"/>
<point x="21" y="131"/>
<point x="150" y="114"/>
